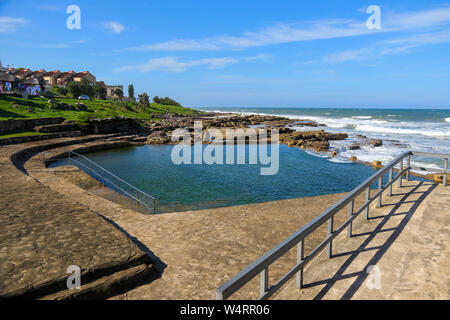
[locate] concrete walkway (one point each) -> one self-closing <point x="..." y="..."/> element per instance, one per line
<point x="407" y="240"/>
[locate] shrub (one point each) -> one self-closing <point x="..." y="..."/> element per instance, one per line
<point x="166" y="101"/>
<point x="144" y="100"/>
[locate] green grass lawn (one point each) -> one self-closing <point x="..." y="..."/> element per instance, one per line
<point x="38" y="107"/>
<point x="13" y="134"/>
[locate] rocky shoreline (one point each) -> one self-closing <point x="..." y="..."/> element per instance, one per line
<point x="316" y="139"/>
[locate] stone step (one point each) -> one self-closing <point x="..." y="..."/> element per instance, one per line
<point x="109" y="285"/>
<point x="52" y="128"/>
<point x="18" y="140"/>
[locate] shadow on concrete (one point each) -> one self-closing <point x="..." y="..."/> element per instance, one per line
<point x="158" y="266"/>
<point x="361" y="276"/>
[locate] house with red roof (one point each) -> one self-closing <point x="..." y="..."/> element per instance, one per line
<point x="85" y="75"/>
<point x="51" y="77"/>
<point x="65" y="77"/>
<point x="22" y="74"/>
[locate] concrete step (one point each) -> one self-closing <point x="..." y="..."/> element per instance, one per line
<point x="19" y="140"/>
<point x="100" y="282"/>
<point x="109" y="285"/>
<point x="53" y="128"/>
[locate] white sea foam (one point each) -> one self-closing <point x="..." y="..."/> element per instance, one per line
<point x="398" y="136"/>
<point x="362" y="117"/>
<point x="404" y="130"/>
<point x="339" y="160"/>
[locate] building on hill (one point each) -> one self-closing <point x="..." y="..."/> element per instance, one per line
<point x="65" y="77"/>
<point x="110" y="91"/>
<point x="7" y="82"/>
<point x="32" y="82"/>
<point x="38" y="74"/>
<point x="50" y="78"/>
<point x="22" y="74"/>
<point x="85" y="75"/>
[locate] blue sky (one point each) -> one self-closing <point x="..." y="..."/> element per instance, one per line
<point x="244" y="53"/>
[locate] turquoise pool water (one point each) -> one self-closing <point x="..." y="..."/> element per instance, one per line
<point x="193" y="187"/>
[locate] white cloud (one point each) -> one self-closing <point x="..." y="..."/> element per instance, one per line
<point x="423" y="38"/>
<point x="62" y="45"/>
<point x="259" y="57"/>
<point x="10" y="24"/>
<point x="419" y="19"/>
<point x="349" y="55"/>
<point x="114" y="27"/>
<point x="50" y="7"/>
<point x="172" y="64"/>
<point x="306" y="31"/>
<point x="281" y="33"/>
<point x="390" y="47"/>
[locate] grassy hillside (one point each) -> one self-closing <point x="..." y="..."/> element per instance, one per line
<point x="39" y="107"/>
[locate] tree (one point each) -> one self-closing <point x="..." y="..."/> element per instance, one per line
<point x="86" y="88"/>
<point x="131" y="91"/>
<point x="60" y="90"/>
<point x="77" y="89"/>
<point x="118" y="92"/>
<point x="144" y="100"/>
<point x="166" y="101"/>
<point x="74" y="89"/>
<point x="99" y="91"/>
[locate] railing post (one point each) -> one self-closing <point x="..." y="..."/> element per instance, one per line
<point x="137" y="198"/>
<point x="380" y="187"/>
<point x="391" y="175"/>
<point x="103" y="177"/>
<point x="330" y="232"/>
<point x="154" y="205"/>
<point x="350" y="214"/>
<point x="367" y="202"/>
<point x="401" y="175"/>
<point x="408" y="163"/>
<point x="264" y="281"/>
<point x="300" y="257"/>
<point x="445" y="173"/>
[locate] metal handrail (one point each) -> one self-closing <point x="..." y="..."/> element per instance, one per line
<point x="119" y="180"/>
<point x="261" y="265"/>
<point x="112" y="174"/>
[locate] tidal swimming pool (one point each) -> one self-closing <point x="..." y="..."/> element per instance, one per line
<point x="194" y="187"/>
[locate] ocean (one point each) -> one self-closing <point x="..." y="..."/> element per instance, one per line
<point x="400" y="129"/>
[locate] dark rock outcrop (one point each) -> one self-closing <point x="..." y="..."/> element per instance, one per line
<point x="110" y="125"/>
<point x="27" y="124"/>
